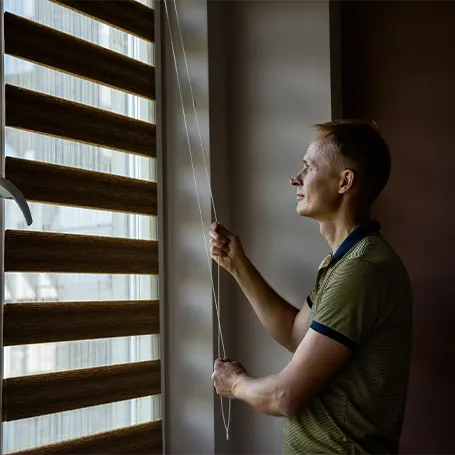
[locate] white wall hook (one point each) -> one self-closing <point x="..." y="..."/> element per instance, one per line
<point x="9" y="190"/>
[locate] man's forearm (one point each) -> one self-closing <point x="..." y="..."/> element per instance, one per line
<point x="265" y="394"/>
<point x="275" y="314"/>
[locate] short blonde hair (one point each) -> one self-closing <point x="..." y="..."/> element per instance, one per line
<point x="361" y="145"/>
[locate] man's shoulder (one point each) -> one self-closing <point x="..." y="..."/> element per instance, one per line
<point x="377" y="251"/>
<point x="375" y="258"/>
<point x="358" y="271"/>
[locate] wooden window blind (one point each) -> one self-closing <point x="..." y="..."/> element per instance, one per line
<point x="81" y="328"/>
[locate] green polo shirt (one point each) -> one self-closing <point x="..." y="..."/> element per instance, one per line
<point x="362" y="298"/>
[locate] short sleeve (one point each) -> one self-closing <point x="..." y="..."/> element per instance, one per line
<point x="352" y="303"/>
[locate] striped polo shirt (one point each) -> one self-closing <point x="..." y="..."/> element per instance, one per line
<point x="362" y="298"/>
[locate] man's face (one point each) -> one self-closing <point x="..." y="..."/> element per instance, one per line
<point x="318" y="182"/>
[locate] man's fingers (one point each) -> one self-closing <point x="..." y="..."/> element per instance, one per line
<point x="220" y="246"/>
<point x="221" y="229"/>
<point x="218" y="237"/>
<point x="214" y="251"/>
<point x="222" y="360"/>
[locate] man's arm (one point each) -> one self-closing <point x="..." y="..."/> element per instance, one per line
<point x="345" y="318"/>
<point x="317" y="358"/>
<point x="285" y="323"/>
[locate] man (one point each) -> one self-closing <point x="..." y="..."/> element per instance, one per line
<point x="344" y="390"/>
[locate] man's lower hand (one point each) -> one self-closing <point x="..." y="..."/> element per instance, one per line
<point x="226" y="376"/>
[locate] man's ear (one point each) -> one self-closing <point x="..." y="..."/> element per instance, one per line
<point x="346" y="181"/>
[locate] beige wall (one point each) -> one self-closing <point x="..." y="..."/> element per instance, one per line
<point x="399" y="70"/>
<point x="268" y="80"/>
<point x="185" y="291"/>
<point x="278" y="84"/>
<point x="272" y="75"/>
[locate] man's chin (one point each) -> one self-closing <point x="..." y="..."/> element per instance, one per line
<point x="303" y="212"/>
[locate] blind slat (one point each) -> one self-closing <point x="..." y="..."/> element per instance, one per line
<point x="33" y="111"/>
<point x="63" y="185"/>
<point x="127" y="15"/>
<point x="31" y="396"/>
<point x="28" y="251"/>
<point x="43" y="45"/>
<point x="138" y="439"/>
<point x="46" y="322"/>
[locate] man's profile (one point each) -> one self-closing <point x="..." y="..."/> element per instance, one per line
<point x="344" y="390"/>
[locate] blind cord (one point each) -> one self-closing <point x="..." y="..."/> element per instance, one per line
<point x="216" y="293"/>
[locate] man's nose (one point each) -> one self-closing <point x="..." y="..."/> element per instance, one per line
<point x="295" y="181"/>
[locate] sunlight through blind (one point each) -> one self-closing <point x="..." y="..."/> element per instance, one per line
<point x="81" y="315"/>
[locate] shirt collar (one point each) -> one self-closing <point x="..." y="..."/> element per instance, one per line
<point x="355" y="236"/>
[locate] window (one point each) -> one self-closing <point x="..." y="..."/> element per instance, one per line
<point x="81" y="300"/>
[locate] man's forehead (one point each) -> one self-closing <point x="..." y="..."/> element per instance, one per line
<point x="317" y="149"/>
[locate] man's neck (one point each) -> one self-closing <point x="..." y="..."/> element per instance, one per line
<point x="335" y="231"/>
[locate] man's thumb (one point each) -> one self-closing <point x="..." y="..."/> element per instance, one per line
<point x="222" y="229"/>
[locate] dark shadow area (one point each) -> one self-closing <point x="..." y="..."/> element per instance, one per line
<point x="397" y="72"/>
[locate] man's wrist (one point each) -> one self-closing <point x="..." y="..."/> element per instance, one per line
<point x="241" y="269"/>
<point x="239" y="386"/>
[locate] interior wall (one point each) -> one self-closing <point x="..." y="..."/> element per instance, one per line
<point x="186" y="292"/>
<point x="270" y="81"/>
<point x="278" y="85"/>
<point x="218" y="38"/>
<point x="399" y="70"/>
